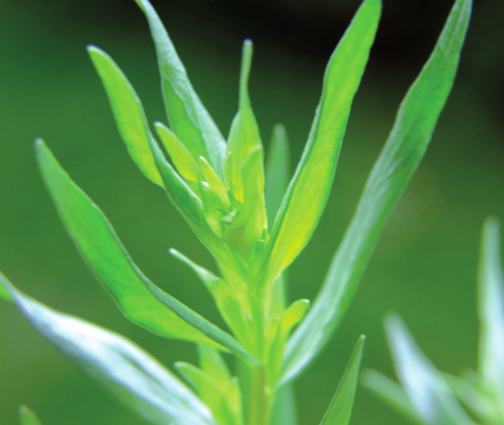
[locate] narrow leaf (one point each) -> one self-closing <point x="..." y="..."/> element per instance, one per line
<point x="391" y="393"/>
<point x="428" y="391"/>
<point x="491" y="311"/>
<point x="179" y="154"/>
<point x="128" y="112"/>
<point x="189" y="119"/>
<point x="403" y="151"/>
<point x="138" y="298"/>
<point x="309" y="189"/>
<point x="27" y="416"/>
<point x="277" y="172"/>
<point x="207" y="277"/>
<point x="340" y="409"/>
<point x="212" y="363"/>
<point x="123" y="368"/>
<point x="283" y="409"/>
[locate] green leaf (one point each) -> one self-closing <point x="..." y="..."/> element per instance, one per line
<point x="491" y="311"/>
<point x="138" y="298"/>
<point x="123" y="368"/>
<point x="403" y="151"/>
<point x="340" y="409"/>
<point x="212" y="363"/>
<point x="189" y="119"/>
<point x="277" y="172"/>
<point x="244" y="169"/>
<point x="283" y="409"/>
<point x="128" y="112"/>
<point x="179" y="154"/>
<point x="27" y="417"/>
<point x="309" y="189"/>
<point x="429" y="393"/>
<point x="207" y="277"/>
<point x="391" y="393"/>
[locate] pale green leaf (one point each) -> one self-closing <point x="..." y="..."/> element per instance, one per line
<point x="277" y="172"/>
<point x="340" y="409"/>
<point x="28" y="417"/>
<point x="212" y="363"/>
<point x="429" y="393"/>
<point x="309" y="189"/>
<point x="391" y="393"/>
<point x="491" y="311"/>
<point x="181" y="157"/>
<point x="137" y="297"/>
<point x="189" y="119"/>
<point x="123" y="368"/>
<point x="283" y="409"/>
<point x="128" y="112"/>
<point x="403" y="151"/>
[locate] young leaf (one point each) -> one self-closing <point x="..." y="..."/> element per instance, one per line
<point x="137" y="297"/>
<point x="179" y="154"/>
<point x="429" y="393"/>
<point x="212" y="363"/>
<point x="309" y="189"/>
<point x="27" y="417"/>
<point x="391" y="393"/>
<point x="277" y="172"/>
<point x="403" y="151"/>
<point x="491" y="311"/>
<point x="123" y="368"/>
<point x="243" y="167"/>
<point x="189" y="119"/>
<point x="340" y="409"/>
<point x="128" y="112"/>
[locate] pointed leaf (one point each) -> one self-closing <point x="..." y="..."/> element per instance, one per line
<point x="340" y="409"/>
<point x="138" y="298"/>
<point x="309" y="189"/>
<point x="425" y="386"/>
<point x="212" y="363"/>
<point x="207" y="277"/>
<point x="189" y="119"/>
<point x="123" y="368"/>
<point x="403" y="151"/>
<point x="277" y="172"/>
<point x="491" y="311"/>
<point x="181" y="157"/>
<point x="128" y="112"/>
<point x="27" y="417"/>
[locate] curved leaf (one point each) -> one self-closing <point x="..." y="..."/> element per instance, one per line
<point x="403" y="151"/>
<point x="137" y="297"/>
<point x="123" y="368"/>
<point x="128" y="112"/>
<point x="309" y="189"/>
<point x="27" y="416"/>
<point x="189" y="119"/>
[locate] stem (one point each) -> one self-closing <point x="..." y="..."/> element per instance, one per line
<point x="259" y="402"/>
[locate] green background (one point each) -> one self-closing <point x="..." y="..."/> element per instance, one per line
<point x="424" y="266"/>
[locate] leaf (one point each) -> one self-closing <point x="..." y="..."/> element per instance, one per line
<point x="491" y="311"/>
<point x="309" y="189"/>
<point x="26" y="416"/>
<point x="138" y="298"/>
<point x="283" y="409"/>
<point x="123" y="368"/>
<point x="340" y="409"/>
<point x="207" y="277"/>
<point x="244" y="169"/>
<point x="212" y="363"/>
<point x="128" y="112"/>
<point x="391" y="393"/>
<point x="403" y="151"/>
<point x="179" y="154"/>
<point x="277" y="171"/>
<point x="189" y="119"/>
<point x="429" y="393"/>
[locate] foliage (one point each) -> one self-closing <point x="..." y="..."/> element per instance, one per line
<point x="253" y="224"/>
<point x="428" y="396"/>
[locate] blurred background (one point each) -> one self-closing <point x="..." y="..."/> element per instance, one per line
<point x="424" y="266"/>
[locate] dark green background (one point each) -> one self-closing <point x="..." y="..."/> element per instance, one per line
<point x="424" y="266"/>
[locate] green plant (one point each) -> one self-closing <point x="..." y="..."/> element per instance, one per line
<point x="428" y="396"/>
<point x="253" y="224"/>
